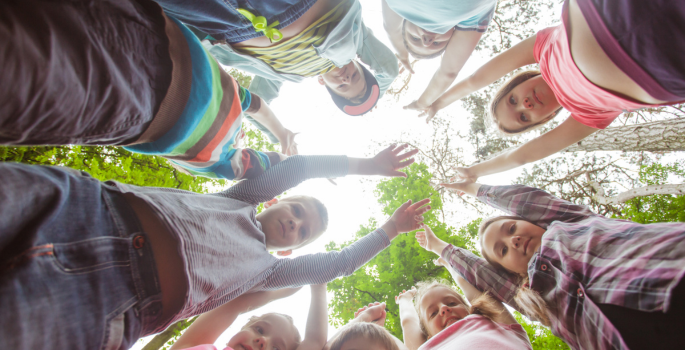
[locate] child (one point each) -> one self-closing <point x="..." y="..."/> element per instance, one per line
<point x="440" y="318"/>
<point x="268" y="331"/>
<point x="303" y="38"/>
<point x="426" y="29"/>
<point x="125" y="261"/>
<point x="123" y="73"/>
<point x="365" y="332"/>
<point x="599" y="283"/>
<point x="584" y="68"/>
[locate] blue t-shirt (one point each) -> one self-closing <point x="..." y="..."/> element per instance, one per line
<point x="440" y="16"/>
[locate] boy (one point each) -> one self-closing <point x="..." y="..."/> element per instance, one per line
<point x="305" y="38"/>
<point x="123" y="73"/>
<point x="80" y="271"/>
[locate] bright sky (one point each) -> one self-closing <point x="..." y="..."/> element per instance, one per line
<point x="308" y="109"/>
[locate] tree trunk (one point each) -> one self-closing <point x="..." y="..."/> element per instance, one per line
<point x="660" y="136"/>
<point x="636" y="192"/>
<point x="162" y="338"/>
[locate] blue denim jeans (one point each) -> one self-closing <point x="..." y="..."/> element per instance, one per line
<point x="76" y="271"/>
<point x="221" y="20"/>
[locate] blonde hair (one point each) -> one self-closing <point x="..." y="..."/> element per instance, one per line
<point x="483" y="305"/>
<point x="530" y="301"/>
<point x="368" y="331"/>
<point x="254" y="319"/>
<point x="503" y="91"/>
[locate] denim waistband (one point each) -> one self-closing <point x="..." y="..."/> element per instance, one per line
<point x="143" y="267"/>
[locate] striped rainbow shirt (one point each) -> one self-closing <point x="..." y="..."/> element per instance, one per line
<point x="199" y="121"/>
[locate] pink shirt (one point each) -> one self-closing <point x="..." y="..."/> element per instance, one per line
<point x="588" y="103"/>
<point x="476" y="332"/>
<point x="206" y="347"/>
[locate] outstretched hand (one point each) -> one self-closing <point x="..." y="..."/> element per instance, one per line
<point x="429" y="241"/>
<point x="390" y="160"/>
<point x="373" y="313"/>
<point x="429" y="112"/>
<point x="288" y="144"/>
<point x="408" y="217"/>
<point x="416" y="106"/>
<point x="462" y="182"/>
<point x="406" y="295"/>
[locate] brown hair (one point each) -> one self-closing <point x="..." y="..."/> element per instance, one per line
<point x="320" y="208"/>
<point x="530" y="301"/>
<point x="255" y="319"/>
<point x="503" y="91"/>
<point x="416" y="55"/>
<point x="368" y="331"/>
<point x="483" y="305"/>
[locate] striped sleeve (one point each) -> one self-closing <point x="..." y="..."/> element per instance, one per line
<point x="325" y="267"/>
<point x="286" y="175"/>
<point x="532" y="204"/>
<point x="479" y="273"/>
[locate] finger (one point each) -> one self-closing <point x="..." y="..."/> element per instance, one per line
<point x="420" y="203"/>
<point x="406" y="163"/>
<point x="399" y="149"/>
<point x="407" y="154"/>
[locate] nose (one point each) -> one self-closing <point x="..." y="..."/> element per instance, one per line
<point x="516" y="241"/>
<point x="294" y="224"/>
<point x="427" y="40"/>
<point x="261" y="342"/>
<point x="527" y="103"/>
<point x="443" y="310"/>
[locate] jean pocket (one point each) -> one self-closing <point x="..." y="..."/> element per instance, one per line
<point x="91" y="255"/>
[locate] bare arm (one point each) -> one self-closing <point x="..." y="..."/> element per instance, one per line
<point x="566" y="134"/>
<point x="266" y="117"/>
<point x="316" y="332"/>
<point x="411" y="327"/>
<point x="209" y="326"/>
<point x="459" y="49"/>
<point x="516" y="57"/>
<point x="392" y="23"/>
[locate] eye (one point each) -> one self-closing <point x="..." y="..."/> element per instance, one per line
<point x="504" y="250"/>
<point x="296" y="210"/>
<point x="260" y="330"/>
<point x="523" y="118"/>
<point x="432" y="315"/>
<point x="512" y="228"/>
<point x="415" y="39"/>
<point x="303" y="233"/>
<point x="511" y="100"/>
<point x="436" y="43"/>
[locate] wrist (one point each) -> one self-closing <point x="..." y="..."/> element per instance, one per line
<point x="438" y="247"/>
<point x="390" y="229"/>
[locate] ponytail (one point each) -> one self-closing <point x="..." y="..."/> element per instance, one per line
<point x="531" y="303"/>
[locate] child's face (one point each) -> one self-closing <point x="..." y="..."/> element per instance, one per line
<point x="512" y="243"/>
<point x="424" y="42"/>
<point x="290" y="224"/>
<point x="529" y="103"/>
<point x="348" y="81"/>
<point x="362" y="343"/>
<point x="440" y="308"/>
<point x="272" y="332"/>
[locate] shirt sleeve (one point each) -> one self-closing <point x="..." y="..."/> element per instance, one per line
<point x="325" y="267"/>
<point x="268" y="91"/>
<point x="380" y="59"/>
<point x="532" y="204"/>
<point x="286" y="175"/>
<point x="479" y="22"/>
<point x="479" y="273"/>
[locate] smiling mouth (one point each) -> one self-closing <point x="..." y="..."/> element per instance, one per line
<point x="282" y="229"/>
<point x="246" y="347"/>
<point x="450" y="321"/>
<point x="535" y="95"/>
<point x="525" y="246"/>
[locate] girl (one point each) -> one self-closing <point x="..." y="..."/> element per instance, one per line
<point x="268" y="331"/>
<point x="426" y="29"/>
<point x="440" y="318"/>
<point x="366" y="332"/>
<point x="124" y="73"/>
<point x="599" y="283"/>
<point x="607" y="57"/>
<point x="289" y="40"/>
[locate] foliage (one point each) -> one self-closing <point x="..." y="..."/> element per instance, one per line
<point x="657" y="208"/>
<point x="540" y="336"/>
<point x="111" y="163"/>
<point x="403" y="263"/>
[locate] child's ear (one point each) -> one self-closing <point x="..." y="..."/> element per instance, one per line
<point x="284" y="252"/>
<point x="320" y="79"/>
<point x="270" y="203"/>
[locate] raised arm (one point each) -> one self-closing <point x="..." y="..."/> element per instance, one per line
<point x="324" y="267"/>
<point x="379" y="58"/>
<point x="458" y="50"/>
<point x="316" y="333"/>
<point x="392" y="23"/>
<point x="263" y="114"/>
<point x="409" y="319"/>
<point x="516" y="57"/>
<point x="564" y="135"/>
<point x="207" y="328"/>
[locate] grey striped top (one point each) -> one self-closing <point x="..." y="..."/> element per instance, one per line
<point x="222" y="244"/>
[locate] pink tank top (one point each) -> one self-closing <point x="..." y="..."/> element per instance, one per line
<point x="476" y="332"/>
<point x="206" y="347"/>
<point x="588" y="103"/>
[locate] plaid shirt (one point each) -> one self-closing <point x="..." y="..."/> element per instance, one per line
<point x="585" y="259"/>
